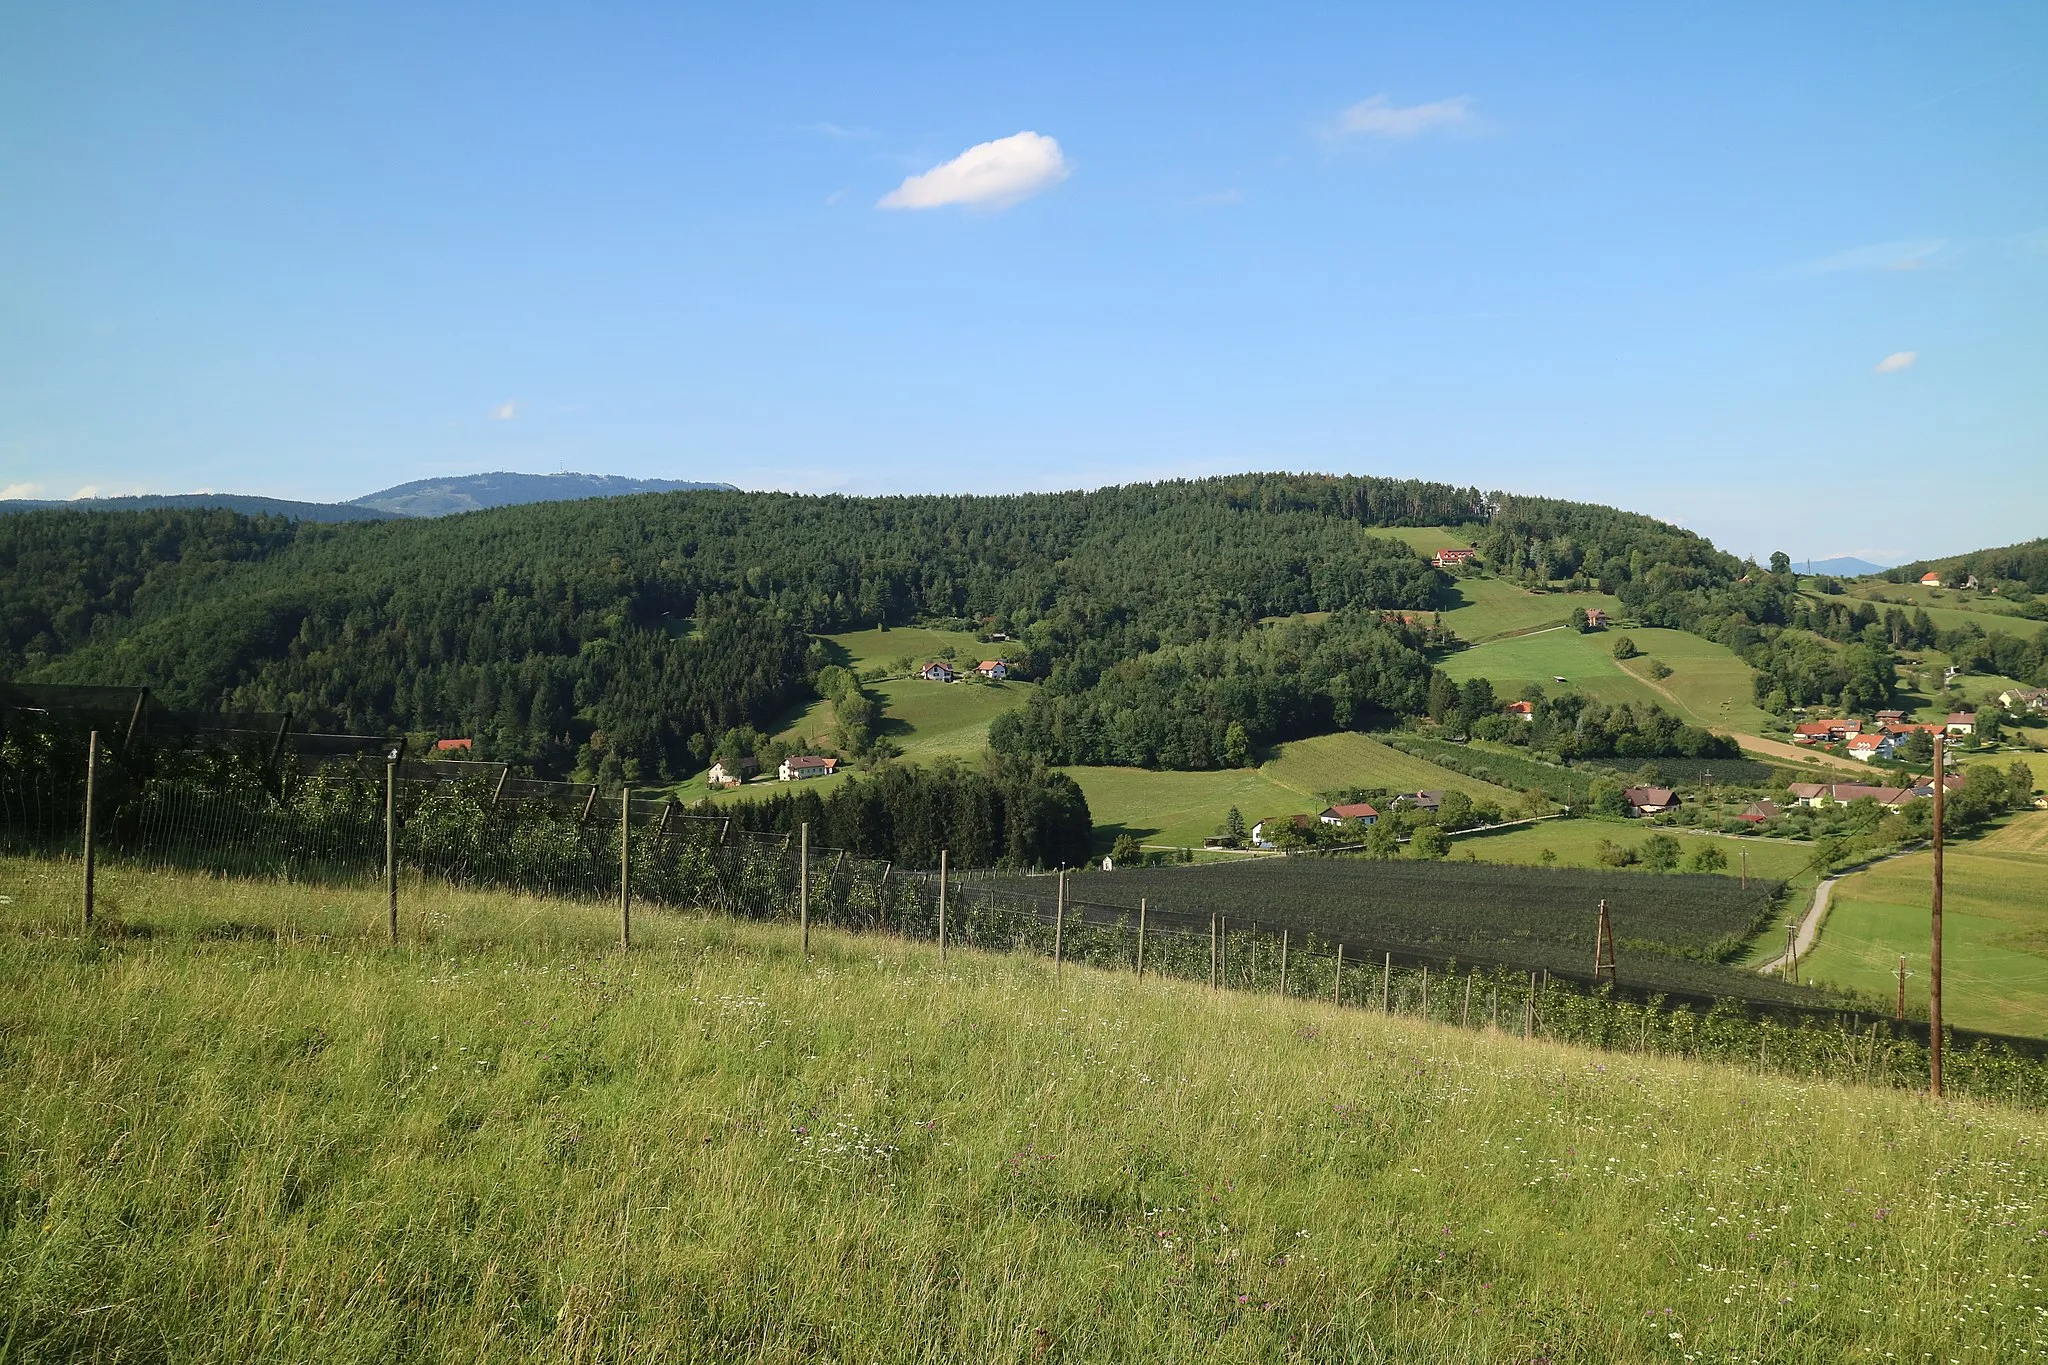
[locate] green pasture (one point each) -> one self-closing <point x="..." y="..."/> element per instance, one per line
<point x="1427" y="540"/>
<point x="878" y="648"/>
<point x="1948" y="608"/>
<point x="239" y="1127"/>
<point x="1182" y="809"/>
<point x="938" y="720"/>
<point x="1586" y="662"/>
<point x="1709" y="684"/>
<point x="1994" y="939"/>
<point x="1576" y="842"/>
<point x="1488" y="607"/>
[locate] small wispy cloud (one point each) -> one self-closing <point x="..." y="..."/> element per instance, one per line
<point x="91" y="490"/>
<point x="505" y="412"/>
<point x="1381" y="117"/>
<point x="1896" y="361"/>
<point x="1221" y="197"/>
<point x="1913" y="254"/>
<point x="989" y="175"/>
<point x="21" y="490"/>
<point x="845" y="132"/>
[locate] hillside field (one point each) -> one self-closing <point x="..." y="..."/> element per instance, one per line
<point x="1994" y="930"/>
<point x="1575" y="843"/>
<point x="1176" y="809"/>
<point x="1488" y="606"/>
<point x="237" y="1130"/>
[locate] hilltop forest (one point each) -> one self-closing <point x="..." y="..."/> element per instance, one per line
<point x="628" y="636"/>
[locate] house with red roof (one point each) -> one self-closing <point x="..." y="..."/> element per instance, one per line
<point x="452" y="746"/>
<point x="1356" y="812"/>
<point x="1649" y="800"/>
<point x="1451" y="558"/>
<point x="798" y="767"/>
<point x="995" y="670"/>
<point x="1525" y="709"/>
<point x="1961" y="723"/>
<point x="1930" y="580"/>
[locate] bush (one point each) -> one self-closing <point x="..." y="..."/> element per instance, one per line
<point x="1625" y="648"/>
<point x="1659" y="853"/>
<point x="1708" y="857"/>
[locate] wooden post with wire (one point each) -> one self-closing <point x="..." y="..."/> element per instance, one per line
<point x="1059" y="925"/>
<point x="1386" y="982"/>
<point x="1223" y="951"/>
<point x="803" y="885"/>
<point x="92" y="767"/>
<point x="942" y="904"/>
<point x="391" y="844"/>
<point x="1212" y="950"/>
<point x="1465" y="1011"/>
<point x="625" y="868"/>
<point x="1337" y="985"/>
<point x="1603" y="948"/>
<point x="1902" y="974"/>
<point x="1283" y="962"/>
<point x="1745" y="869"/>
<point x="1934" y="950"/>
<point x="1141" y="938"/>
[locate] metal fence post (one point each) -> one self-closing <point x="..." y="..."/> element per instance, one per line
<point x="1059" y="924"/>
<point x="942" y="905"/>
<point x="1386" y="983"/>
<point x="1283" y="962"/>
<point x="1337" y="986"/>
<point x="391" y="844"/>
<point x="1141" y="938"/>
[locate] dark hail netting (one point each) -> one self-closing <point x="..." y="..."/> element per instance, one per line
<point x="555" y="840"/>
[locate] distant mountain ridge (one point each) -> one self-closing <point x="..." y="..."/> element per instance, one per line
<point x="503" y="488"/>
<point x="1842" y="566"/>
<point x="420" y="498"/>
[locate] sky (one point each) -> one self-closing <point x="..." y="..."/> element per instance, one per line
<point x="1777" y="273"/>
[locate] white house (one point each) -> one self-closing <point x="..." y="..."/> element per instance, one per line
<point x="1263" y="833"/>
<point x="797" y="767"/>
<point x="995" y="670"/>
<point x="1357" y="812"/>
<point x="1961" y="723"/>
<point x="1864" y="748"/>
<point x="1930" y="580"/>
<point x="938" y="670"/>
<point x="722" y="776"/>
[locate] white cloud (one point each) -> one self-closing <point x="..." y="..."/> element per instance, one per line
<point x="505" y="412"/>
<point x="1381" y="117"/>
<point x="990" y="175"/>
<point x="1896" y="361"/>
<point x="1222" y="197"/>
<point x="1914" y="254"/>
<point x="21" y="490"/>
<point x="91" y="490"/>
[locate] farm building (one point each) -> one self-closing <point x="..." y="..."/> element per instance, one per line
<point x="797" y="767"/>
<point x="1451" y="558"/>
<point x="451" y="746"/>
<point x="1420" y="800"/>
<point x="1756" y="812"/>
<point x="1596" y="616"/>
<point x="995" y="670"/>
<point x="2024" y="699"/>
<point x="1930" y="580"/>
<point x="938" y="670"/>
<point x="1825" y="731"/>
<point x="1525" y="709"/>
<point x="1357" y="812"/>
<point x="1890" y="717"/>
<point x="1649" y="800"/>
<point x="732" y="774"/>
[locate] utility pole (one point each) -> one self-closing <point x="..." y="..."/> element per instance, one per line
<point x="92" y="766"/>
<point x="1603" y="948"/>
<point x="1792" y="949"/>
<point x="1934" y="956"/>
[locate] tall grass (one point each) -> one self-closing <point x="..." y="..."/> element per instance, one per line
<point x="236" y="1127"/>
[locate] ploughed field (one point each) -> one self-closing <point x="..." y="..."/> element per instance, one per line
<point x="238" y="1126"/>
<point x="1672" y="930"/>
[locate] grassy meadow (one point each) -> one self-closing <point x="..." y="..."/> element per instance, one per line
<point x="1994" y="930"/>
<point x="1488" y="607"/>
<point x="238" y="1130"/>
<point x="1575" y="843"/>
<point x="1182" y="809"/>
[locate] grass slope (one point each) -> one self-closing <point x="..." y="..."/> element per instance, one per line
<point x="1994" y="930"/>
<point x="1487" y="607"/>
<point x="513" y="1143"/>
<point x="1575" y="844"/>
<point x="1182" y="809"/>
<point x="1586" y="662"/>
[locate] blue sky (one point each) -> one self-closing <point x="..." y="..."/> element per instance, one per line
<point x="1696" y="261"/>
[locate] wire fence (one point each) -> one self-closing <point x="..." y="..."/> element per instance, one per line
<point x="349" y="824"/>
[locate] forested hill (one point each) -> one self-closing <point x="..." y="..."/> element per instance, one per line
<point x="631" y="632"/>
<point x="2018" y="570"/>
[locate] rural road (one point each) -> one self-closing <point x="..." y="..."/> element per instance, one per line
<point x="1809" y="924"/>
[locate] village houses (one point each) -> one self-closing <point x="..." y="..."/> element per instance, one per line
<point x="797" y="767"/>
<point x="1451" y="558"/>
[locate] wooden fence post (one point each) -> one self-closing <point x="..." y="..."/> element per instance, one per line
<point x="1223" y="951"/>
<point x="1425" y="990"/>
<point x="1529" y="1010"/>
<point x="1465" y="1013"/>
<point x="625" y="867"/>
<point x="1141" y="938"/>
<point x="1337" y="986"/>
<point x="1212" y="950"/>
<point x="391" y="844"/>
<point x="1059" y="924"/>
<point x="92" y="766"/>
<point x="1283" y="963"/>
<point x="1386" y="982"/>
<point x="942" y="904"/>
<point x="803" y="886"/>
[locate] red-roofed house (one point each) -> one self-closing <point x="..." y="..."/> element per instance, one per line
<point x="1961" y="723"/>
<point x="1930" y="580"/>
<point x="800" y="766"/>
<point x="938" y="670"/>
<point x="995" y="670"/>
<point x="1863" y="748"/>
<point x="1525" y="709"/>
<point x="1451" y="558"/>
<point x="1357" y="811"/>
<point x="1596" y="616"/>
<point x="1649" y="800"/>
<point x="451" y="746"/>
<point x="1825" y="731"/>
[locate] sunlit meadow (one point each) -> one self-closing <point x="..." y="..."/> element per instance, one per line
<point x="236" y="1126"/>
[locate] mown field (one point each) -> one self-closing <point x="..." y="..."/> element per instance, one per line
<point x="1994" y="934"/>
<point x="1586" y="662"/>
<point x="238" y="1131"/>
<point x="1487" y="607"/>
<point x="1182" y="809"/>
<point x="1669" y="926"/>
<point x="1575" y="843"/>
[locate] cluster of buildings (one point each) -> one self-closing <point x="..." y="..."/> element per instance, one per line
<point x="795" y="768"/>
<point x="942" y="670"/>
<point x="1891" y="730"/>
<point x="1842" y="793"/>
<point x="1362" y="815"/>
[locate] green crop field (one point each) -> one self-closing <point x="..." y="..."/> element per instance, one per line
<point x="1669" y="926"/>
<point x="240" y="1131"/>
<point x="1493" y="606"/>
<point x="1176" y="809"/>
<point x="1994" y="939"/>
<point x="1575" y="842"/>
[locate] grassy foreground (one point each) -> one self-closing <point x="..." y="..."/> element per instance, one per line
<point x="236" y="1129"/>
